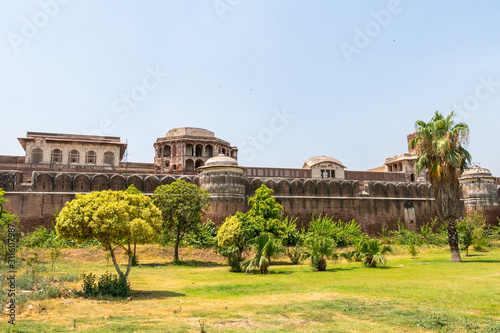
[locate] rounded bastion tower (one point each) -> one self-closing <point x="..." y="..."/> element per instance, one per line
<point x="225" y="181"/>
<point x="480" y="193"/>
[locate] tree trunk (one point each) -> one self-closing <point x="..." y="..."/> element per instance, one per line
<point x="453" y="241"/>
<point x="446" y="192"/>
<point x="321" y="265"/>
<point x="176" y="249"/>
<point x="117" y="267"/>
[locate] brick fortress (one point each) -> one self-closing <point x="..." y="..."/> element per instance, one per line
<point x="57" y="166"/>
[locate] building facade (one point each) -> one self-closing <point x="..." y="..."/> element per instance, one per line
<point x="185" y="149"/>
<point x="57" y="166"/>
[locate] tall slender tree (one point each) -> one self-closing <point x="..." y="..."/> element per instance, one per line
<point x="440" y="150"/>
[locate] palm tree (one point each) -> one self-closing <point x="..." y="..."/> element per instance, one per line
<point x="266" y="247"/>
<point x="372" y="252"/>
<point x="439" y="144"/>
<point x="319" y="248"/>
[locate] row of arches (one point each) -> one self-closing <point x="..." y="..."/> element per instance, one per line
<point x="197" y="150"/>
<point x="65" y="182"/>
<point x="74" y="158"/>
<point x="325" y="188"/>
<point x="396" y="167"/>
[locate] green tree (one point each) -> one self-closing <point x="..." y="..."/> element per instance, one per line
<point x="439" y="145"/>
<point x="182" y="207"/>
<point x="117" y="219"/>
<point x="266" y="212"/>
<point x="266" y="246"/>
<point x="9" y="225"/>
<point x="233" y="238"/>
<point x="469" y="229"/>
<point x="319" y="248"/>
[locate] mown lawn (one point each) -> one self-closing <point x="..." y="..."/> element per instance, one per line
<point x="411" y="295"/>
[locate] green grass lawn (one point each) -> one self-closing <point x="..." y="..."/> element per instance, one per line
<point x="428" y="293"/>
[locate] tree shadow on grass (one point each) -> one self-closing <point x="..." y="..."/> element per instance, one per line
<point x="187" y="263"/>
<point x="489" y="261"/>
<point x="154" y="294"/>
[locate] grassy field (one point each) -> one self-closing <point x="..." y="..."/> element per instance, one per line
<point x="428" y="293"/>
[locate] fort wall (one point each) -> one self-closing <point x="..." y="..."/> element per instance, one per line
<point x="373" y="204"/>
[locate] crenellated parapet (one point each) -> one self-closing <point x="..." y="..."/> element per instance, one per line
<point x="88" y="182"/>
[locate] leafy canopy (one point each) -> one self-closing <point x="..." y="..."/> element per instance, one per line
<point x="182" y="206"/>
<point x="440" y="145"/>
<point x="266" y="212"/>
<point x="114" y="218"/>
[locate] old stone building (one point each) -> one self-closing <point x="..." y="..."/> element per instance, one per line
<point x="184" y="149"/>
<point x="57" y="166"/>
<point x="68" y="151"/>
<point x="405" y="162"/>
<point x="325" y="167"/>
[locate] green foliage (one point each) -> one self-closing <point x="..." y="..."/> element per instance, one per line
<point x="265" y="212"/>
<point x="291" y="235"/>
<point x="204" y="237"/>
<point x="54" y="253"/>
<point x="107" y="285"/>
<point x="182" y="207"/>
<point x="470" y="231"/>
<point x="266" y="246"/>
<point x="89" y="286"/>
<point x="426" y="235"/>
<point x="9" y="227"/>
<point x="295" y="254"/>
<point x="32" y="263"/>
<point x="413" y="250"/>
<point x="370" y="252"/>
<point x="319" y="248"/>
<point x="114" y="218"/>
<point x="342" y="233"/>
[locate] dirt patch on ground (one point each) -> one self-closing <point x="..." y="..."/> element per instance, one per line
<point x="148" y="254"/>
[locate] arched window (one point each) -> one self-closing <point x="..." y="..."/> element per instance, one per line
<point x="189" y="149"/>
<point x="74" y="157"/>
<point x="389" y="167"/>
<point x="189" y="165"/>
<point x="199" y="150"/>
<point x="209" y="151"/>
<point x="167" y="164"/>
<point x="37" y="156"/>
<point x="90" y="157"/>
<point x="199" y="163"/>
<point x="56" y="156"/>
<point x="224" y="151"/>
<point x="109" y="158"/>
<point x="167" y="151"/>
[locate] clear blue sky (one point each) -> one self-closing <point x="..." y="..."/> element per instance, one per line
<point x="283" y="80"/>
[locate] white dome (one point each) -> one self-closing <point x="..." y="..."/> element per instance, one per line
<point x="221" y="160"/>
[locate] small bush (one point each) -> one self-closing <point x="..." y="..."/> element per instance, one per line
<point x="68" y="277"/>
<point x="39" y="238"/>
<point x="342" y="233"/>
<point x="107" y="285"/>
<point x="438" y="322"/>
<point x="413" y="250"/>
<point x="295" y="254"/>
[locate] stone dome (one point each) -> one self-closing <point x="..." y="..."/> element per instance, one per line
<point x="221" y="160"/>
<point x="477" y="172"/>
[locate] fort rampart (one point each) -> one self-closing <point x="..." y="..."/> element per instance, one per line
<point x="373" y="205"/>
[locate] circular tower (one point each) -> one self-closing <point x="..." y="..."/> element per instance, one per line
<point x="225" y="181"/>
<point x="480" y="193"/>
